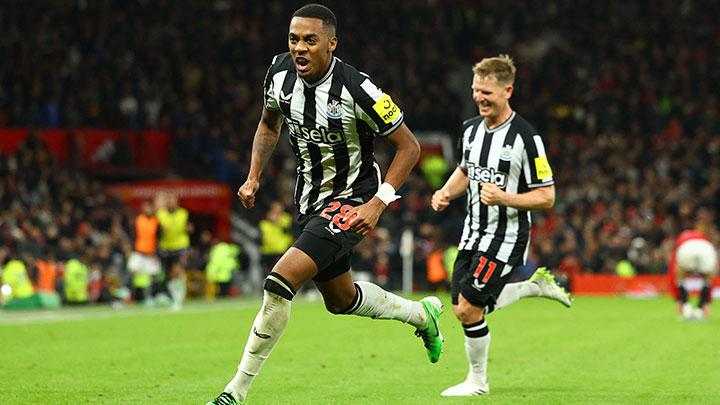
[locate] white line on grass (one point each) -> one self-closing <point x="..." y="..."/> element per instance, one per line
<point x="106" y="311"/>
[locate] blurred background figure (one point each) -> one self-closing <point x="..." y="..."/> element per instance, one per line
<point x="47" y="274"/>
<point x="174" y="244"/>
<point x="15" y="281"/>
<point x="276" y="235"/>
<point x="223" y="262"/>
<point x="76" y="279"/>
<point x="143" y="264"/>
<point x="692" y="266"/>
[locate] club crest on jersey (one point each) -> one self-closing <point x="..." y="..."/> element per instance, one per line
<point x="506" y="153"/>
<point x="334" y="109"/>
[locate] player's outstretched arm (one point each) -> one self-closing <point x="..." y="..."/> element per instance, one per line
<point x="454" y="187"/>
<point x="537" y="199"/>
<point x="266" y="137"/>
<point x="407" y="151"/>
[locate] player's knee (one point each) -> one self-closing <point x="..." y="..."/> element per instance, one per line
<point x="468" y="313"/>
<point x="338" y="305"/>
<point x="278" y="285"/>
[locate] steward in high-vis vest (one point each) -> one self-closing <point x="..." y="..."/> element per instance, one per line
<point x="143" y="262"/>
<point x="15" y="276"/>
<point x="276" y="232"/>
<point x="76" y="282"/>
<point x="223" y="261"/>
<point x="174" y="244"/>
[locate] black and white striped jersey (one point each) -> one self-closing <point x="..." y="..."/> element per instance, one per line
<point x="513" y="157"/>
<point x="332" y="126"/>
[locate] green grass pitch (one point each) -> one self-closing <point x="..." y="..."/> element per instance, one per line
<point x="602" y="351"/>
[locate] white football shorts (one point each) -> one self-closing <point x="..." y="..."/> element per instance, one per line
<point x="142" y="263"/>
<point x="697" y="256"/>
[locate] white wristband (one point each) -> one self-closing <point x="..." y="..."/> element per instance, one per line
<point x="386" y="193"/>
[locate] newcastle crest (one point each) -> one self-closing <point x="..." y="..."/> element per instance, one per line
<point x="506" y="153"/>
<point x="334" y="109"/>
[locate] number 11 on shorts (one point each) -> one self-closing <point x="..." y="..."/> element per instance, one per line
<point x="481" y="266"/>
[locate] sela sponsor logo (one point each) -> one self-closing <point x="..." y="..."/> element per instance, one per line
<point x="487" y="175"/>
<point x="319" y="135"/>
<point x="334" y="109"/>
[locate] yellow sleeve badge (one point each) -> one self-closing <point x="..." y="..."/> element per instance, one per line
<point x="386" y="109"/>
<point x="542" y="168"/>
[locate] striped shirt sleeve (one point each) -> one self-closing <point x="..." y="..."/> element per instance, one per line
<point x="269" y="96"/>
<point x="536" y="165"/>
<point x="463" y="145"/>
<point x="462" y="163"/>
<point x="376" y="107"/>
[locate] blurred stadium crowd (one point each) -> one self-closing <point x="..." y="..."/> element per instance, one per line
<point x="626" y="95"/>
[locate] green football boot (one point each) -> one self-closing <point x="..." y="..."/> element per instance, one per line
<point x="549" y="288"/>
<point x="430" y="333"/>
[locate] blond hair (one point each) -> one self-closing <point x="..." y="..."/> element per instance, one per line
<point x="502" y="67"/>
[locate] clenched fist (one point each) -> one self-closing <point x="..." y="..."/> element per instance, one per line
<point x="440" y="200"/>
<point x="491" y="194"/>
<point x="247" y="191"/>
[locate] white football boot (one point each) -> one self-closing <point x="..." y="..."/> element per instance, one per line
<point x="688" y="312"/>
<point x="549" y="288"/>
<point x="466" y="389"/>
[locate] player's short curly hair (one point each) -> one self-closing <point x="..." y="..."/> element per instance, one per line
<point x="501" y="66"/>
<point x="320" y="12"/>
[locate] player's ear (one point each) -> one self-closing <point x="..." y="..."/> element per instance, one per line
<point x="333" y="44"/>
<point x="509" y="90"/>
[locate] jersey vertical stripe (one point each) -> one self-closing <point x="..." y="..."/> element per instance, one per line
<point x="296" y="101"/>
<point x="482" y="210"/>
<point x="468" y="139"/>
<point x="353" y="149"/>
<point x="492" y="213"/>
<point x="332" y="125"/>
<point x="287" y="84"/>
<point x="327" y="152"/>
<point x="512" y="156"/>
<point x="316" y="155"/>
<point x="513" y="228"/>
<point x="502" y="211"/>
<point x="340" y="150"/>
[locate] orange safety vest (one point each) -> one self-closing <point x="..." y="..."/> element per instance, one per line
<point x="47" y="273"/>
<point x="435" y="269"/>
<point x="146" y="234"/>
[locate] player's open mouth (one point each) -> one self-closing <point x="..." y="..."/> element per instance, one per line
<point x="302" y="65"/>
